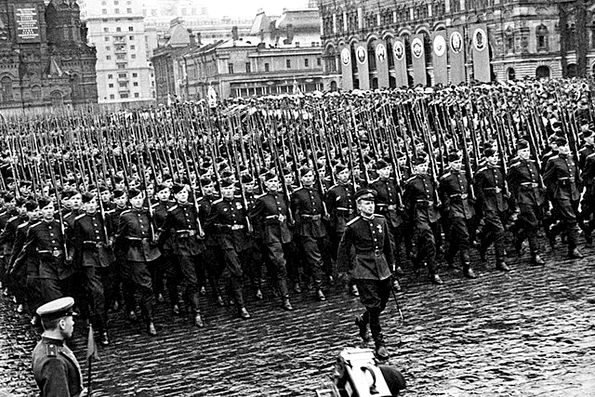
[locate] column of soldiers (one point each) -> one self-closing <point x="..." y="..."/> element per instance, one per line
<point x="217" y="211"/>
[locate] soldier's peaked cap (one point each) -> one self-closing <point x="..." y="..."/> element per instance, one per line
<point x="57" y="308"/>
<point x="365" y="194"/>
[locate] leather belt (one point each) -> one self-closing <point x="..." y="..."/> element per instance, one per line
<point x="55" y="252"/>
<point x="461" y="195"/>
<point x="313" y="217"/>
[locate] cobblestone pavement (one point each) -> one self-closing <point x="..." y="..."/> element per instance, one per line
<point x="529" y="332"/>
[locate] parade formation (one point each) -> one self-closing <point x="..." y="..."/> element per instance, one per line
<point x="175" y="203"/>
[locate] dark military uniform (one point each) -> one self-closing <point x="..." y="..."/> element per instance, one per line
<point x="307" y="207"/>
<point x="45" y="242"/>
<point x="459" y="212"/>
<point x="529" y="197"/>
<point x="489" y="188"/>
<point x="93" y="256"/>
<point x="271" y="210"/>
<point x="56" y="370"/>
<point x="28" y="266"/>
<point x="588" y="203"/>
<point x="372" y="266"/>
<point x="228" y="221"/>
<point x="133" y="238"/>
<point x="166" y="264"/>
<point x="341" y="208"/>
<point x="418" y="199"/>
<point x="4" y="217"/>
<point x="181" y="225"/>
<point x="562" y="181"/>
<point x="16" y="281"/>
<point x="387" y="205"/>
<point x="212" y="256"/>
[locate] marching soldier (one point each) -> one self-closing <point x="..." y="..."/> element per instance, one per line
<point x="271" y="211"/>
<point x="418" y="199"/>
<point x="93" y="255"/>
<point x="368" y="236"/>
<point x="455" y="194"/>
<point x="562" y="180"/>
<point x="134" y="239"/>
<point x="528" y="196"/>
<point x="307" y="206"/>
<point x="228" y="219"/>
<point x="46" y="243"/>
<point x="181" y="225"/>
<point x="341" y="208"/>
<point x="490" y="186"/>
<point x="388" y="205"/>
<point x="7" y="240"/>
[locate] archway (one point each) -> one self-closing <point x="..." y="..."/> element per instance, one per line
<point x="543" y="72"/>
<point x="511" y="74"/>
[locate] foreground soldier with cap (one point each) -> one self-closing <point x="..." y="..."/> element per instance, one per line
<point x="372" y="266"/>
<point x="56" y="370"/>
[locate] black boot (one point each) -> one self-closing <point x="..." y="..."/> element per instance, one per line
<point x="362" y="324"/>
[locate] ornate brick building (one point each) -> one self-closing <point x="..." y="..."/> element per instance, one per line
<point x="44" y="58"/>
<point x="517" y="38"/>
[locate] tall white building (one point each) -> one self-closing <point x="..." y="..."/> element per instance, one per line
<point x="124" y="70"/>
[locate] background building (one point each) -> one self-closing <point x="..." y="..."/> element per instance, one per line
<point x="494" y="39"/>
<point x="116" y="29"/>
<point x="277" y="56"/>
<point x="44" y="59"/>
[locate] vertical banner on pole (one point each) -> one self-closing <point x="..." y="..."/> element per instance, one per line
<point x="419" y="59"/>
<point x="381" y="63"/>
<point x="456" y="55"/>
<point x="481" y="53"/>
<point x="346" y="73"/>
<point x="361" y="57"/>
<point x="439" y="48"/>
<point x="401" y="77"/>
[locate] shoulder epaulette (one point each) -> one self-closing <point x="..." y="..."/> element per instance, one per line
<point x="374" y="180"/>
<point x="261" y="195"/>
<point x="79" y="217"/>
<point x="125" y="212"/>
<point x="172" y="208"/>
<point x="36" y="224"/>
<point x="445" y="175"/>
<point x="485" y="167"/>
<point x="351" y="222"/>
<point x="334" y="186"/>
<point x="217" y="201"/>
<point x="110" y="211"/>
<point x="554" y="157"/>
<point x="516" y="164"/>
<point x="23" y="225"/>
<point x="51" y="350"/>
<point x="591" y="155"/>
<point x="411" y="178"/>
<point x="298" y="189"/>
<point x="12" y="218"/>
<point x="154" y="205"/>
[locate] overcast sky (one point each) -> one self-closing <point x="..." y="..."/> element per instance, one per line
<point x="248" y="8"/>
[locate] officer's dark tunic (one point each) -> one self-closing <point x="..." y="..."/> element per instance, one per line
<point x="56" y="369"/>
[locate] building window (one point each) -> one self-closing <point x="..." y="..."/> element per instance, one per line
<point x="122" y="75"/>
<point x="120" y="56"/>
<point x="121" y="66"/>
<point x="118" y="29"/>
<point x="511" y="74"/>
<point x="134" y="74"/>
<point x="129" y="10"/>
<point x="108" y="57"/>
<point x="116" y="10"/>
<point x="130" y="37"/>
<point x="133" y="56"/>
<point x="248" y="68"/>
<point x="132" y="47"/>
<point x="509" y="37"/>
<point x="112" y="96"/>
<point x="106" y="30"/>
<point x="230" y="68"/>
<point x="267" y="67"/>
<point x="542" y="38"/>
<point x="136" y="95"/>
<point x="104" y="11"/>
<point x="124" y="96"/>
<point x="106" y="38"/>
<point x="135" y="84"/>
<point x="108" y="48"/>
<point x="110" y="76"/>
<point x="111" y="85"/>
<point x="319" y="61"/>
<point x="288" y="63"/>
<point x="131" y="28"/>
<point x="123" y="84"/>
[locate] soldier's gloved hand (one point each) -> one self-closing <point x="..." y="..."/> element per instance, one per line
<point x="515" y="216"/>
<point x="68" y="259"/>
